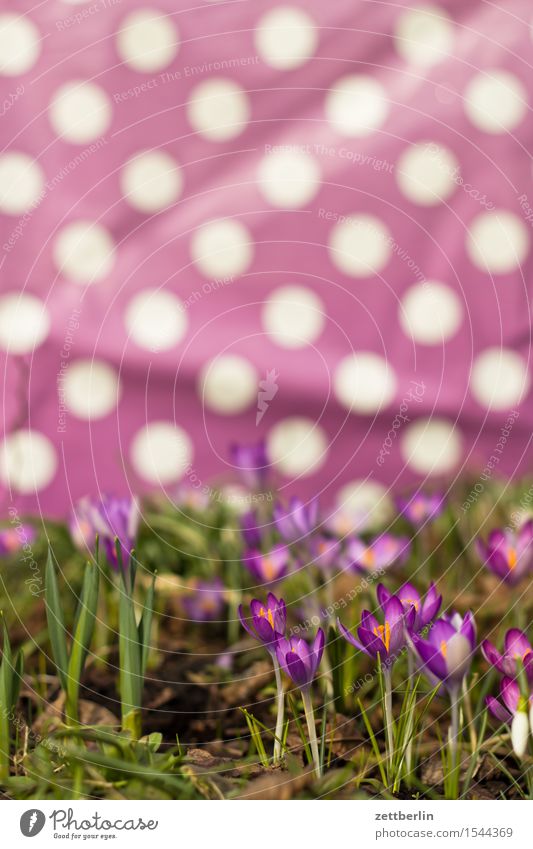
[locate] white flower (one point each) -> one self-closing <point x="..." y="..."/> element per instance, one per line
<point x="520" y="732"/>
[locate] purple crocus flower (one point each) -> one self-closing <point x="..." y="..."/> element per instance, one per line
<point x="421" y="507"/>
<point x="266" y="622"/>
<point x="447" y="652"/>
<point x="270" y="567"/>
<point x="425" y="608"/>
<point x="111" y="519"/>
<point x="385" y="640"/>
<point x="250" y="529"/>
<point x="516" y="647"/>
<point x="15" y="538"/>
<point x="324" y="552"/>
<point x="252" y="463"/>
<point x="510" y="696"/>
<point x="300" y="660"/>
<point x="206" y="601"/>
<point x="381" y="553"/>
<point x="507" y="553"/>
<point x="297" y="520"/>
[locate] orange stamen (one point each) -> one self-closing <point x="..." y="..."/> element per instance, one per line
<point x="383" y="632"/>
<point x="512" y="558"/>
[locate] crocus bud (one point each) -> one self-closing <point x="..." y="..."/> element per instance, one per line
<point x="520" y="729"/>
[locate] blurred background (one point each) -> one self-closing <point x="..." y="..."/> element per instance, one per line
<point x="307" y="224"/>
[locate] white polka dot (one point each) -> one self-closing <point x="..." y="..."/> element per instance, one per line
<point x="364" y="382"/>
<point x="359" y="245"/>
<point x="161" y="452"/>
<point x="80" y="111"/>
<point x="19" y="44"/>
<point x="293" y="316"/>
<point x="288" y="178"/>
<point x="497" y="241"/>
<point x="285" y="37"/>
<point x="147" y="40"/>
<point x="356" y="105"/>
<point x="21" y="182"/>
<point x="151" y="181"/>
<point x="499" y="378"/>
<point x="91" y="388"/>
<point x="496" y="101"/>
<point x="424" y="36"/>
<point x="84" y="252"/>
<point x="431" y="446"/>
<point x="27" y="461"/>
<point x="430" y="313"/>
<point x="218" y="109"/>
<point x="297" y="446"/>
<point x="222" y="248"/>
<point x="427" y="173"/>
<point x="363" y="506"/>
<point x="228" y="384"/>
<point x="156" y="320"/>
<point x="24" y="322"/>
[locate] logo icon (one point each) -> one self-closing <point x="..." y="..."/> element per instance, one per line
<point x="32" y="822"/>
<point x="268" y="389"/>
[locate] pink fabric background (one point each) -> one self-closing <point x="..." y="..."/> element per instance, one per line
<point x="289" y="246"/>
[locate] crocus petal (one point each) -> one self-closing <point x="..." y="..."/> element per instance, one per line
<point x="394" y="610"/>
<point x="432" y="658"/>
<point x="350" y="637"/>
<point x="516" y="643"/>
<point x="368" y="621"/>
<point x="440" y="633"/>
<point x="373" y="645"/>
<point x="510" y="693"/>
<point x="383" y="595"/>
<point x="468" y="628"/>
<point x="244" y="623"/>
<point x="458" y="656"/>
<point x="296" y="669"/>
<point x="318" y="647"/>
<point x="492" y="655"/>
<point x="497" y="710"/>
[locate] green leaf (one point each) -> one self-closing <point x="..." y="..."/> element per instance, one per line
<point x="145" y="627"/>
<point x="56" y="624"/>
<point x="129" y="652"/>
<point x="83" y="631"/>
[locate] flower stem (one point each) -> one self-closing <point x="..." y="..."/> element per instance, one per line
<point x="454" y="727"/>
<point x="410" y="721"/>
<point x="280" y="701"/>
<point x="387" y="713"/>
<point x="310" y="719"/>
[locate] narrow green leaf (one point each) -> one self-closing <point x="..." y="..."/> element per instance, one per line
<point x="83" y="631"/>
<point x="56" y="624"/>
<point x="145" y="626"/>
<point x="130" y="661"/>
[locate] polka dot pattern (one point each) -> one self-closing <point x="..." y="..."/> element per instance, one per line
<point x="84" y="252"/>
<point x="232" y="223"/>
